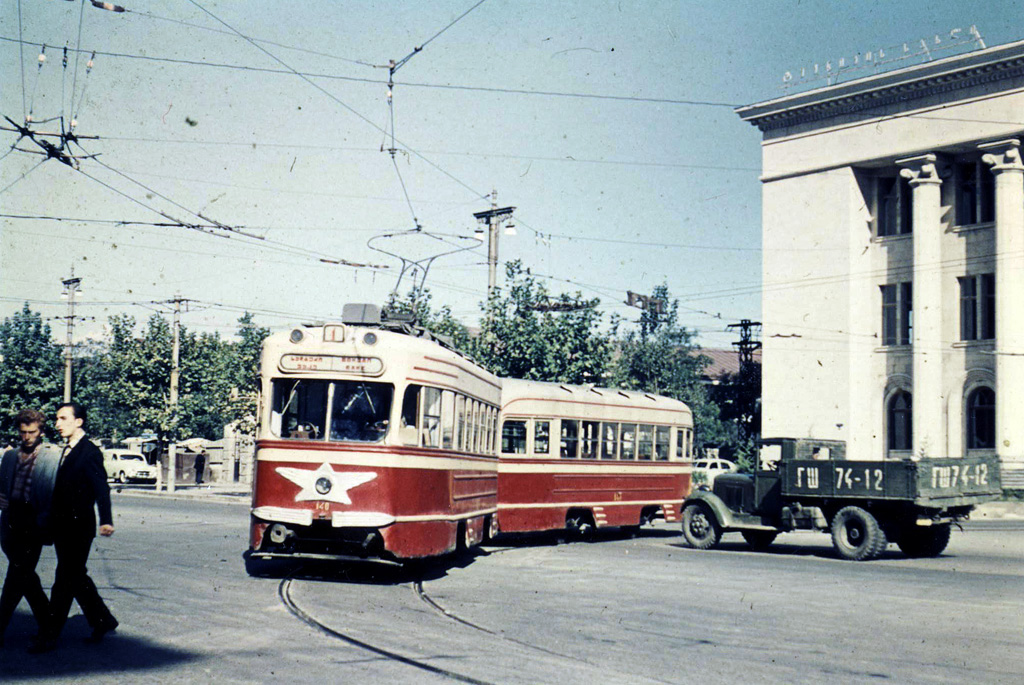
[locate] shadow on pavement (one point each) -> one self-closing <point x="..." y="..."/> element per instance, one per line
<point x="359" y="572"/>
<point x="780" y="548"/>
<point x="563" y="536"/>
<point x="120" y="656"/>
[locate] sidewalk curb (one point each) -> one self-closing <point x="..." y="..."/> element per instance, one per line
<point x="999" y="510"/>
<point x="233" y="496"/>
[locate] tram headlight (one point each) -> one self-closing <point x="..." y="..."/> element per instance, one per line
<point x="296" y="336"/>
<point x="370" y="338"/>
<point x="323" y="485"/>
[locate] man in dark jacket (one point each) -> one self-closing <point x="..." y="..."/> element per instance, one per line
<point x="80" y="488"/>
<point x="26" y="486"/>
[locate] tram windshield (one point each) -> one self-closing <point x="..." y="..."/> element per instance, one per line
<point x="357" y="411"/>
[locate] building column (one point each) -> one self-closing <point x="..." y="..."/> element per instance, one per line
<point x="1004" y="156"/>
<point x="928" y="425"/>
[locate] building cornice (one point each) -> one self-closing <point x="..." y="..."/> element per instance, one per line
<point x="956" y="73"/>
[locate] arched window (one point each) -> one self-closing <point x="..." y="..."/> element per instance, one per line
<point x="981" y="419"/>
<point x="899" y="417"/>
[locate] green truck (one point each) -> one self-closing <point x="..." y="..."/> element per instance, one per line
<point x="806" y="484"/>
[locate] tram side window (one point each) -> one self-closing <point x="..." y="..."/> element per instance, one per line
<point x="460" y="422"/>
<point x="360" y="411"/>
<point x="541" y="437"/>
<point x="689" y="444"/>
<point x="471" y="425"/>
<point x="570" y="438"/>
<point x="513" y="437"/>
<point x="627" y="441"/>
<point x="609" y="441"/>
<point x="481" y="424"/>
<point x="408" y="430"/>
<point x="431" y="429"/>
<point x="591" y="439"/>
<point x="299" y="408"/>
<point x="447" y="419"/>
<point x="645" y="441"/>
<point x="492" y="422"/>
<point x="661" y="443"/>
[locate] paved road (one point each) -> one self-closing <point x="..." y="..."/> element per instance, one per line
<point x="622" y="610"/>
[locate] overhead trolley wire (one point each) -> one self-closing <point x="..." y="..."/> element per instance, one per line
<point x="412" y="84"/>
<point x="15" y="181"/>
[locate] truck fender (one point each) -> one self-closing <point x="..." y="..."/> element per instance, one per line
<point x="715" y="504"/>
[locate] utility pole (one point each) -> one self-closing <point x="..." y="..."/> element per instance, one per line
<point x="493" y="217"/>
<point x="746" y="344"/>
<point x="71" y="288"/>
<point x="172" y="455"/>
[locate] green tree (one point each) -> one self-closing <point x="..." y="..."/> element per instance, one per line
<point x="126" y="383"/>
<point x="527" y="334"/>
<point x="661" y="356"/>
<point x="441" y="322"/>
<point x="30" y="369"/>
<point x="245" y="360"/>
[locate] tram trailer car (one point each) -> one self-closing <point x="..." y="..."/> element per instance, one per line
<point x="809" y="484"/>
<point x="374" y="441"/>
<point x="582" y="457"/>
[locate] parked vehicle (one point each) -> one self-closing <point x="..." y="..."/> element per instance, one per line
<point x="712" y="468"/>
<point x="864" y="504"/>
<point x="125" y="465"/>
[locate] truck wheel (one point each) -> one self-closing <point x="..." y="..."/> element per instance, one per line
<point x="759" y="539"/>
<point x="856" y="535"/>
<point x="925" y="542"/>
<point x="700" y="527"/>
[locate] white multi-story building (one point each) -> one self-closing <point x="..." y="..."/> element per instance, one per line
<point x="893" y="275"/>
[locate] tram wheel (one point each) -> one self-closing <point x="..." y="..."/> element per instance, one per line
<point x="490" y="528"/>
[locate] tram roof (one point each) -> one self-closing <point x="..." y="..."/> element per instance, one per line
<point x="518" y="390"/>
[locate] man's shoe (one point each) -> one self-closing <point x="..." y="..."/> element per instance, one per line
<point x="102" y="629"/>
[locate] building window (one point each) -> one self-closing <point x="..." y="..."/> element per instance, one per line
<point x="975" y="193"/>
<point x="978" y="307"/>
<point x="892" y="210"/>
<point x="900" y="424"/>
<point x="897" y="313"/>
<point x="981" y="419"/>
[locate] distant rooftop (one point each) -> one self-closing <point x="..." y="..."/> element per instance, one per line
<point x="723" y="361"/>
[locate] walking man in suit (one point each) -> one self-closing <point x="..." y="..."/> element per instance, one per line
<point x="27" y="475"/>
<point x="80" y="488"/>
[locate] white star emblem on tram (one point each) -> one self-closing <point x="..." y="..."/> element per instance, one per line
<point x="325" y="483"/>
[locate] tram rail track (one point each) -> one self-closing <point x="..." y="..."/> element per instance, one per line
<point x="438" y="608"/>
<point x="284" y="592"/>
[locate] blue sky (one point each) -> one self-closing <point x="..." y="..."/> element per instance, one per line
<point x="625" y="160"/>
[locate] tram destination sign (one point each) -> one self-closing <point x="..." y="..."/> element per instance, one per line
<point x="364" y="366"/>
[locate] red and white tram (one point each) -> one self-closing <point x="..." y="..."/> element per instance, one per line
<point x="584" y="457"/>
<point x="372" y="442"/>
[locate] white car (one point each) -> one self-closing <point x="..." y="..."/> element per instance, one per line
<point x="125" y="465"/>
<point x="711" y="468"/>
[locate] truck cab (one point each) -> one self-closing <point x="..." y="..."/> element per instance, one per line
<point x="808" y="484"/>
